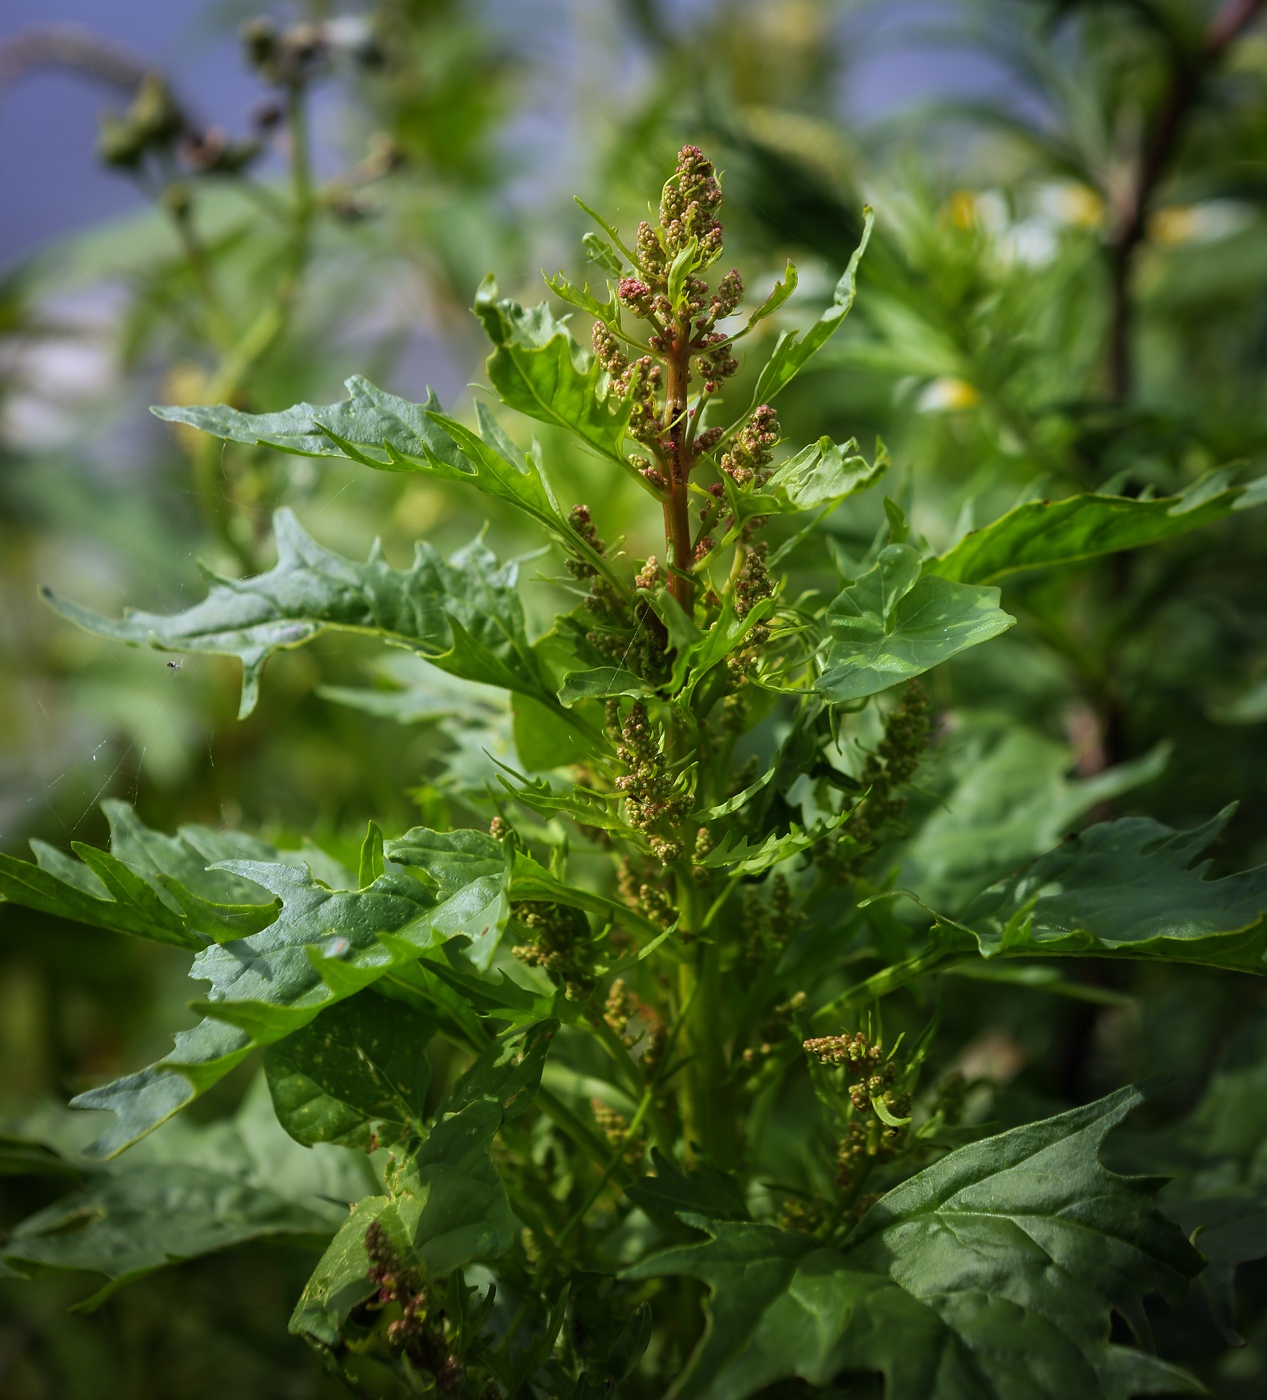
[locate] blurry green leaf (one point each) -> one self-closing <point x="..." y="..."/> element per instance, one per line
<point x="894" y="623"/>
<point x="21" y="1156"/>
<point x="1216" y="1158"/>
<point x="790" y="354"/>
<point x="547" y="739"/>
<point x="602" y="253"/>
<point x="1042" y="533"/>
<point x="357" y="1076"/>
<point x="464" y="615"/>
<point x="538" y="369"/>
<point x="1250" y="707"/>
<point x="411" y="691"/>
<point x="191" y="1190"/>
<point x="323" y="948"/>
<point x="992" y="1272"/>
<point x="1011" y="801"/>
<point x="705" y="1191"/>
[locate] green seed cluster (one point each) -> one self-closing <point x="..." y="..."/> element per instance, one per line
<point x="559" y="942"/>
<point x="650" y="797"/>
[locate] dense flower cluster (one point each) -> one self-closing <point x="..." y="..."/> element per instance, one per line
<point x="752" y="450"/>
<point x="650" y="796"/>
<point x="559" y="942"/>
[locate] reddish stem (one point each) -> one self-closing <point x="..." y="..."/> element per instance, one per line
<point x="677" y="516"/>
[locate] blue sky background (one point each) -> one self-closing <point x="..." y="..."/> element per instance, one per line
<point x="51" y="184"/>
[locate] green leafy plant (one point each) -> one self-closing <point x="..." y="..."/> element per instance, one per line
<point x="545" y="1056"/>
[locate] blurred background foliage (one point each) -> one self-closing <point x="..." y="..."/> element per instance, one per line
<point x="1067" y="291"/>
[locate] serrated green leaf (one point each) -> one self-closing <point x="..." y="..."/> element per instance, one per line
<point x="790" y="353"/>
<point x="368" y="427"/>
<point x="127" y="904"/>
<point x="1128" y="889"/>
<point x="538" y="369"/>
<point x="357" y="1076"/>
<point x="994" y="1272"/>
<point x="191" y="1190"/>
<point x="464" y="615"/>
<point x="1039" y="534"/>
<point x="740" y="856"/>
<point x="895" y="623"/>
<point x="388" y="433"/>
<point x="323" y="948"/>
<point x="582" y="299"/>
<point x="1122" y="889"/>
<point x="149" y="885"/>
<point x="583" y="805"/>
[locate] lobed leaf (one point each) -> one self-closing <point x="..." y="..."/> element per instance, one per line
<point x="896" y="622"/>
<point x="993" y="1273"/>
<point x="538" y="369"/>
<point x="1127" y="889"/>
<point x="325" y="946"/>
<point x="463" y="615"/>
<point x="819" y="476"/>
<point x="149" y="885"/>
<point x="388" y="433"/>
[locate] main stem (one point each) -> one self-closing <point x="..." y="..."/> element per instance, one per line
<point x="677" y="510"/>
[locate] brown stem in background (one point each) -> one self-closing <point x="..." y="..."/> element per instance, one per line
<point x="1188" y="77"/>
